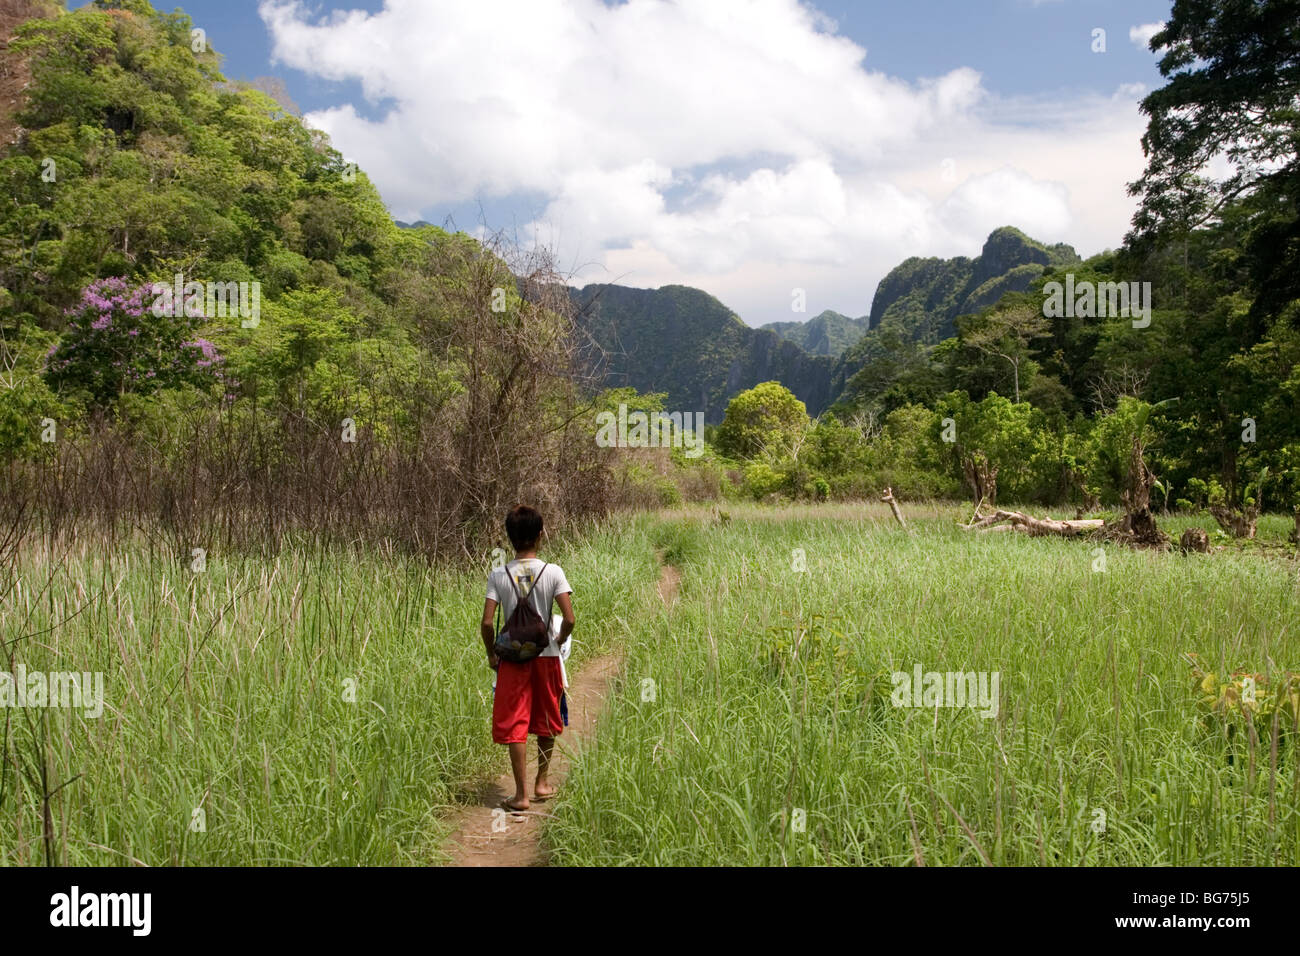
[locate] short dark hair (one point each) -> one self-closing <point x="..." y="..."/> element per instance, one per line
<point x="524" y="526"/>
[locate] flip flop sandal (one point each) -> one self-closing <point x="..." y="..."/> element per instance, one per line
<point x="505" y="805"/>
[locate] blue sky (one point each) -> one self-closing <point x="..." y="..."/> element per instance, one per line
<point x="744" y="146"/>
<point x="1018" y="45"/>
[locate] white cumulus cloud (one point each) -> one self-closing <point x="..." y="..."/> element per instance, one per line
<point x="1141" y="35"/>
<point x="739" y="145"/>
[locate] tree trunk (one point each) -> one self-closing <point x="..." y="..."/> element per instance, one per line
<point x="982" y="477"/>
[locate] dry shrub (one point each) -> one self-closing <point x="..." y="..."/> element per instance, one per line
<point x="436" y="482"/>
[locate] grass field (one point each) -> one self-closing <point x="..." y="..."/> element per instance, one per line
<point x="749" y="753"/>
<point x="753" y="723"/>
<point x="227" y="692"/>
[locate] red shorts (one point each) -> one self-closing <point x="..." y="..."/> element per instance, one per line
<point x="527" y="700"/>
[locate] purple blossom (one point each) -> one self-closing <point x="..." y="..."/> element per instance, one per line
<point x="114" y="340"/>
<point x="108" y="295"/>
<point x="210" y="354"/>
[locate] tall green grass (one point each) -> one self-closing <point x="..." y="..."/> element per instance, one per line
<point x="742" y="752"/>
<point x="229" y="691"/>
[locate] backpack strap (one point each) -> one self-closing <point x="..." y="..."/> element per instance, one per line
<point x="536" y="581"/>
<point x="514" y="587"/>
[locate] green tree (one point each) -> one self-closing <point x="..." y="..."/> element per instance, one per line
<point x="1005" y="333"/>
<point x="1234" y="81"/>
<point x="1234" y="75"/>
<point x="1106" y="452"/>
<point x="767" y="421"/>
<point x="996" y="446"/>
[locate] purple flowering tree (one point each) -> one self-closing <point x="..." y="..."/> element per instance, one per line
<point x="117" y="343"/>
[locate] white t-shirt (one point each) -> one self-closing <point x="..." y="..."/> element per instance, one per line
<point x="553" y="582"/>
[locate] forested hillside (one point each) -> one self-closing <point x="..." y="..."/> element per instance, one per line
<point x="317" y="364"/>
<point x="923" y="297"/>
<point x="685" y="343"/>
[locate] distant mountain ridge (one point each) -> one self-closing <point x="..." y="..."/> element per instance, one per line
<point x="920" y="299"/>
<point x="829" y="333"/>
<point x="925" y="296"/>
<point x="684" y="342"/>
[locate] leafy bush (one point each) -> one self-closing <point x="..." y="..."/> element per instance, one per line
<point x="25" y="400"/>
<point x="116" y="343"/>
<point x="1244" y="698"/>
<point x="766" y="420"/>
<point x="761" y="480"/>
<point x="1011" y="436"/>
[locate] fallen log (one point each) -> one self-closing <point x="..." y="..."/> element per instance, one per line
<point x="1035" y="527"/>
<point x="1136" y="527"/>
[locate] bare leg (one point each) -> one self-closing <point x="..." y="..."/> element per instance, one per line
<point x="519" y="767"/>
<point x="542" y="787"/>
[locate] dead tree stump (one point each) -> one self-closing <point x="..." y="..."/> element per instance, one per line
<point x="889" y="499"/>
<point x="1138" y="526"/>
<point x="1238" y="522"/>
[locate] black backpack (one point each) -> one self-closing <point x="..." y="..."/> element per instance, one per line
<point x="526" y="633"/>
